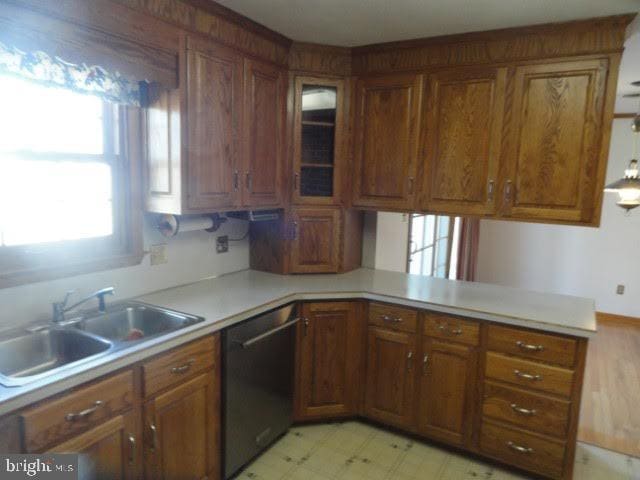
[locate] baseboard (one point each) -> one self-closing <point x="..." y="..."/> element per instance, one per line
<point x="613" y="318"/>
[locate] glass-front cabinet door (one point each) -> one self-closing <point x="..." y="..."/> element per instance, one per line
<point x="318" y="141"/>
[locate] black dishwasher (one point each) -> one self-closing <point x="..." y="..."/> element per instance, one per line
<point x="258" y="358"/>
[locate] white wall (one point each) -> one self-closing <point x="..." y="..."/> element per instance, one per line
<point x="191" y="256"/>
<point x="384" y="242"/>
<point x="580" y="261"/>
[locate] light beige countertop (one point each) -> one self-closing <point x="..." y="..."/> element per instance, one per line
<point x="234" y="297"/>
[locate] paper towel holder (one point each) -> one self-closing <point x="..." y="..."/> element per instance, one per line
<point x="170" y="225"/>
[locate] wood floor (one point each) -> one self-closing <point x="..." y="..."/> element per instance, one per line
<point x="610" y="413"/>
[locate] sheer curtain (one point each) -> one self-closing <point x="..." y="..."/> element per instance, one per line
<point x="468" y="249"/>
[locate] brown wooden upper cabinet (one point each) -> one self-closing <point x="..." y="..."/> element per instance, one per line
<point x="386" y="141"/>
<point x="462" y="139"/>
<point x="553" y="161"/>
<point x="330" y="360"/>
<point x="318" y="147"/>
<point x="216" y="143"/>
<point x="315" y="246"/>
<point x="263" y="134"/>
<point x="214" y="96"/>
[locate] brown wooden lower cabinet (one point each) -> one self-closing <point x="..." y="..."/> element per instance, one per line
<point x="182" y="438"/>
<point x="390" y="380"/>
<point x="111" y="448"/>
<point x="330" y="360"/>
<point x="447" y="386"/>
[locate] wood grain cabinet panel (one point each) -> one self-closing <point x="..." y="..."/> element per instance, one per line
<point x="263" y="134"/>
<point x="182" y="430"/>
<point x="462" y="137"/>
<point x="447" y="385"/>
<point x="554" y="161"/>
<point x="529" y="410"/>
<point x="534" y="375"/>
<point x="315" y="247"/>
<point x="391" y="367"/>
<point x="393" y="317"/>
<point x="386" y="141"/>
<point x="214" y="103"/>
<point x="330" y="360"/>
<point x="451" y="328"/>
<point x="111" y="449"/>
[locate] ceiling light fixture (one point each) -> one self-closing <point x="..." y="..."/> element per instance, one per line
<point x="628" y="187"/>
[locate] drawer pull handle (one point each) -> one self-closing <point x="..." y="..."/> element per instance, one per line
<point x="388" y="318"/>
<point x="518" y="448"/>
<point x="183" y="368"/>
<point x="425" y="363"/>
<point x="527" y="376"/>
<point x="447" y="329"/>
<point x="523" y="411"/>
<point x="529" y="348"/>
<point x="72" y="417"/>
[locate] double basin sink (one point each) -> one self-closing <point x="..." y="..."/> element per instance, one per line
<point x="49" y="351"/>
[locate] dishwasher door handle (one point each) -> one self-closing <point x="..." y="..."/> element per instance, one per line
<point x="268" y="333"/>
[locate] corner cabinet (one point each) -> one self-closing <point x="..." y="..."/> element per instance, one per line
<point x="387" y="126"/>
<point x="554" y="164"/>
<point x="216" y="142"/>
<point x="462" y="141"/>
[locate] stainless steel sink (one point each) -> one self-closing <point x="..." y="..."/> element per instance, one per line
<point x="132" y="322"/>
<point x="31" y="356"/>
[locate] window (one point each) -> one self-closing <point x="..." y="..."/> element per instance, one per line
<point x="63" y="181"/>
<point x="433" y="245"/>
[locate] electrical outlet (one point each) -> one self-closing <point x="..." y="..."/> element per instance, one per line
<point x="620" y="289"/>
<point x="222" y="244"/>
<point x="158" y="254"/>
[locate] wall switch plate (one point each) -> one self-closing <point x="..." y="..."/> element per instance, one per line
<point x="620" y="289"/>
<point x="222" y="244"/>
<point x="158" y="254"/>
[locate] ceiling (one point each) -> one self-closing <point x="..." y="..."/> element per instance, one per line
<point x="351" y="23"/>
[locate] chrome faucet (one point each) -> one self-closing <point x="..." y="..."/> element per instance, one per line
<point x="60" y="308"/>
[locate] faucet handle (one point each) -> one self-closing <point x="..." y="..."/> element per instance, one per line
<point x="67" y="296"/>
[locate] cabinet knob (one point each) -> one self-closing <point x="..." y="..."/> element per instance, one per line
<point x="490" y="189"/>
<point x="529" y="348"/>
<point x="409" y="361"/>
<point x="154" y="437"/>
<point x="527" y="376"/>
<point x="519" y="448"/>
<point x="295" y="181"/>
<point x="508" y="187"/>
<point x="523" y="411"/>
<point x="248" y="181"/>
<point x="132" y="449"/>
<point x="411" y="181"/>
<point x="236" y="180"/>
<point x="425" y="363"/>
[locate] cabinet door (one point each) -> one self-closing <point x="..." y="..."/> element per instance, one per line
<point x="214" y="106"/>
<point x="315" y="247"/>
<point x="555" y="129"/>
<point x="446" y="391"/>
<point x="330" y="360"/>
<point x="318" y="141"/>
<point x="111" y="449"/>
<point x="463" y="136"/>
<point x="389" y="394"/>
<point x="386" y="141"/>
<point x="264" y="110"/>
<point x="183" y="431"/>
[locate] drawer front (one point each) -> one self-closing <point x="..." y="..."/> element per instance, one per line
<point x="451" y="328"/>
<point x="77" y="411"/>
<point x="180" y="364"/>
<point x="532" y="411"/>
<point x="529" y="374"/>
<point x="523" y="450"/>
<point x="392" y="317"/>
<point x="533" y="345"/>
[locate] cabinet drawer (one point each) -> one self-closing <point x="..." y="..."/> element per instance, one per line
<point x="392" y="317"/>
<point x="180" y="364"/>
<point x="452" y="328"/>
<point x="532" y="411"/>
<point x="524" y="450"/>
<point x="533" y="345"/>
<point x="77" y="411"/>
<point x="529" y="374"/>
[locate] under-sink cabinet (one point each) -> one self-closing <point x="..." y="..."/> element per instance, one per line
<point x="157" y="419"/>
